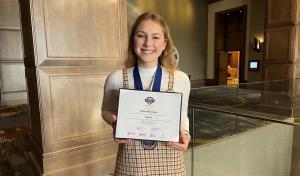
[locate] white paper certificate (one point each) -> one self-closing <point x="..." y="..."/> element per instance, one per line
<point x="149" y="115"/>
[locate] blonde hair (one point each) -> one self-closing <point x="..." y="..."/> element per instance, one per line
<point x="166" y="59"/>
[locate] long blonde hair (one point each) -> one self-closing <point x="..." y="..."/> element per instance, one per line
<point x="166" y="59"/>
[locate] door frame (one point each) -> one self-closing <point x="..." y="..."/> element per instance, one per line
<point x="242" y="50"/>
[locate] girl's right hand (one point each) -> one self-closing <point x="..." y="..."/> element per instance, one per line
<point x="118" y="140"/>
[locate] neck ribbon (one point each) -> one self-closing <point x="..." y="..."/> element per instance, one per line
<point x="156" y="83"/>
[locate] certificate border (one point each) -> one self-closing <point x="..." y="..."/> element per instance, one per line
<point x="154" y="92"/>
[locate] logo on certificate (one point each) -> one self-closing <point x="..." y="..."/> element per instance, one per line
<point x="149" y="100"/>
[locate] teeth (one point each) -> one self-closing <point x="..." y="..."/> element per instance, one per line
<point x="148" y="51"/>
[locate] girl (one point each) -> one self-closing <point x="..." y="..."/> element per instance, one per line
<point x="150" y="57"/>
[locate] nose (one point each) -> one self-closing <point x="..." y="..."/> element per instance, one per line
<point x="147" y="42"/>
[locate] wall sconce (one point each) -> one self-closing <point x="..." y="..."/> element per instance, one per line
<point x="257" y="45"/>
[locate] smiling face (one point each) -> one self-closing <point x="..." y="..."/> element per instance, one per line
<point x="148" y="43"/>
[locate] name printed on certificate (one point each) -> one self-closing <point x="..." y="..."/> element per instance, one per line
<point x="148" y="115"/>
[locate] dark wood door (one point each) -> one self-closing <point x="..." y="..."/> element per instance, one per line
<point x="230" y="35"/>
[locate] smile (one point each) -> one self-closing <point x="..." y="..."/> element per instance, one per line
<point x="147" y="51"/>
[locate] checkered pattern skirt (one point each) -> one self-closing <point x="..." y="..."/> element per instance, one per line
<point x="134" y="160"/>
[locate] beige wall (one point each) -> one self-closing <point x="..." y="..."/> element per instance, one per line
<point x="187" y="20"/>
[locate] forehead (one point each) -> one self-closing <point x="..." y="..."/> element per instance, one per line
<point x="149" y="26"/>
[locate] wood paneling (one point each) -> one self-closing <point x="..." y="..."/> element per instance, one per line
<point x="13" y="79"/>
<point x="9" y="14"/>
<point x="279" y="12"/>
<point x="11" y="45"/>
<point x="13" y="86"/>
<point x="82" y="155"/>
<point x="71" y="107"/>
<point x="13" y="98"/>
<point x="91" y="168"/>
<point x="297" y="44"/>
<point x="70" y="24"/>
<point x="66" y="26"/>
<point x="71" y="47"/>
<point x="283" y="47"/>
<point x="279" y="42"/>
<point x="281" y="38"/>
<point x="76" y="97"/>
<point x="235" y="41"/>
<point x="278" y="71"/>
<point x="297" y="70"/>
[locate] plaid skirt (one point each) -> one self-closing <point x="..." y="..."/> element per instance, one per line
<point x="134" y="160"/>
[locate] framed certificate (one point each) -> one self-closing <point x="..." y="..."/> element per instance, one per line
<point x="148" y="115"/>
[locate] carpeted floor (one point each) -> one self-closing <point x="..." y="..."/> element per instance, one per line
<point x="14" y="145"/>
<point x="209" y="126"/>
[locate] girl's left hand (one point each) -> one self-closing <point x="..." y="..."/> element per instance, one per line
<point x="183" y="143"/>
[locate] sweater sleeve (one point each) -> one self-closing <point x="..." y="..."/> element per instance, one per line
<point x="110" y="97"/>
<point x="183" y="84"/>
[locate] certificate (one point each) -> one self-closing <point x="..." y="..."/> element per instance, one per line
<point x="149" y="115"/>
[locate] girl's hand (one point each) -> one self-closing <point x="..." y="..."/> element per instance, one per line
<point x="183" y="143"/>
<point x="118" y="140"/>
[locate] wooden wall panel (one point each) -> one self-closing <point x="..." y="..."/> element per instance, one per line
<point x="13" y="98"/>
<point x="11" y="45"/>
<point x="13" y="87"/>
<point x="297" y="71"/>
<point x="67" y="29"/>
<point x="77" y="97"/>
<point x="234" y="41"/>
<point x="296" y="92"/>
<point x="279" y="42"/>
<point x="76" y="44"/>
<point x="9" y="14"/>
<point x="297" y="44"/>
<point x="13" y="77"/>
<point x="72" y="99"/>
<point x="278" y="71"/>
<point x="66" y="26"/>
<point x="103" y="154"/>
<point x="278" y="12"/>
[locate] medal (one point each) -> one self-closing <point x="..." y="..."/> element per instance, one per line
<point x="148" y="144"/>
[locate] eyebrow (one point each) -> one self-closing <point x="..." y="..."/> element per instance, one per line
<point x="145" y="33"/>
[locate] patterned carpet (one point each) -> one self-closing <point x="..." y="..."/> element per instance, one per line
<point x="14" y="137"/>
<point x="210" y="126"/>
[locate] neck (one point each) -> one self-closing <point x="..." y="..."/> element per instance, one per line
<point x="147" y="65"/>
<point x="147" y="70"/>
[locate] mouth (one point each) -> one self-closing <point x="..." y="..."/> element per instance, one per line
<point x="147" y="51"/>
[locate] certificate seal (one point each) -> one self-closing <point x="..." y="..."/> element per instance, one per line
<point x="148" y="144"/>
